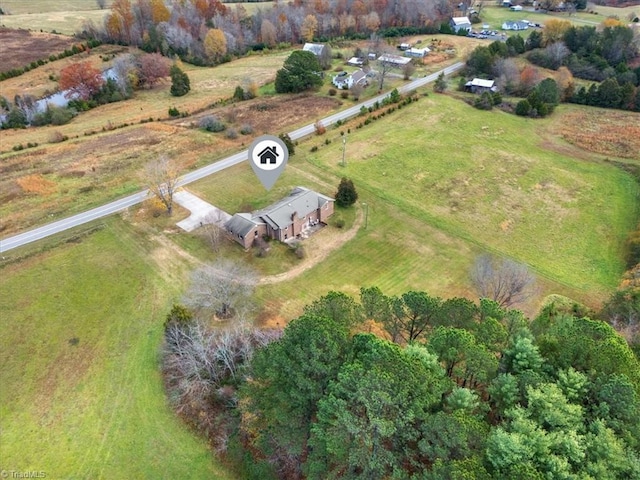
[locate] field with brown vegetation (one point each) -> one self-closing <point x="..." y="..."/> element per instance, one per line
<point x="607" y="132"/>
<point x="21" y="47"/>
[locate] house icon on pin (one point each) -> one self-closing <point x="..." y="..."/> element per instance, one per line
<point x="268" y="155"/>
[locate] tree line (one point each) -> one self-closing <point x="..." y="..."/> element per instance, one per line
<point x="209" y="32"/>
<point x="409" y="386"/>
<point x="581" y="52"/>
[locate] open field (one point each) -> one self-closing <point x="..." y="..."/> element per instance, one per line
<point x="68" y="16"/>
<point x="495" y="16"/>
<point x="66" y="22"/>
<point x="497" y="188"/>
<point x="55" y="180"/>
<point x="81" y="394"/>
<point x="21" y="47"/>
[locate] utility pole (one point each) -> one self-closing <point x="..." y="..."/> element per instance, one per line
<point x="344" y="148"/>
<point x="366" y="214"/>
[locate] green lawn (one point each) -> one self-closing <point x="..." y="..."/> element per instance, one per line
<point x="486" y="177"/>
<point x="81" y="394"/>
<point x="443" y="187"/>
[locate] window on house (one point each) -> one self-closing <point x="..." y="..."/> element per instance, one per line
<point x="256" y="233"/>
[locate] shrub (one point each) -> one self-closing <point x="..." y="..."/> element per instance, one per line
<point x="211" y="123"/>
<point x="57" y="137"/>
<point x="344" y="95"/>
<point x="339" y="222"/>
<point x="523" y="108"/>
<point x="246" y="129"/>
<point x="60" y="116"/>
<point x="332" y="92"/>
<point x="484" y="102"/>
<point x="231" y="134"/>
<point x="289" y="143"/>
<point x="320" y="128"/>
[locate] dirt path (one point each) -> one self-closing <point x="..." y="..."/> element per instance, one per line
<point x="321" y="248"/>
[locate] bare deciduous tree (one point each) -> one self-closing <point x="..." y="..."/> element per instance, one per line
<point x="223" y="288"/>
<point x="161" y="176"/>
<point x="503" y="281"/>
<point x="201" y="364"/>
<point x="213" y="229"/>
<point x="407" y="70"/>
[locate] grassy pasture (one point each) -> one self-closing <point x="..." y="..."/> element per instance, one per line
<point x="486" y="178"/>
<point x="494" y="16"/>
<point x="81" y="394"/>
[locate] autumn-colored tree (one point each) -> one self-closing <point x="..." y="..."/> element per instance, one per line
<point x="529" y="78"/>
<point x="564" y="79"/>
<point x="215" y="44"/>
<point x="372" y="22"/>
<point x="152" y="68"/>
<point x="210" y="8"/>
<point x="309" y="27"/>
<point x="159" y="11"/>
<point x="554" y="30"/>
<point x="612" y="22"/>
<point x="321" y="6"/>
<point x="120" y="21"/>
<point x="81" y="80"/>
<point x="268" y="33"/>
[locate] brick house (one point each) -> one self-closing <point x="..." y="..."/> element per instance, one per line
<point x="285" y="220"/>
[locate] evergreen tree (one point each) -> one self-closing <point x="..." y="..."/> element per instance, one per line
<point x="180" y="84"/>
<point x="301" y="71"/>
<point x="346" y="194"/>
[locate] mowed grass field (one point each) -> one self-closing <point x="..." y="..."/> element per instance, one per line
<point x="444" y="182"/>
<point x="489" y="178"/>
<point x="82" y="395"/>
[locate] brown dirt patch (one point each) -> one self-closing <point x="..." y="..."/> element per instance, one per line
<point x="606" y="132"/>
<point x="36" y="184"/>
<point x="272" y="114"/>
<point x="21" y="47"/>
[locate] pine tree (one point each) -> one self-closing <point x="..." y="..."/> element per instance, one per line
<point x="346" y="194"/>
<point x="180" y="84"/>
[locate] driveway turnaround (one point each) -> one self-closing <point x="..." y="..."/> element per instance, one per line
<point x="202" y="212"/>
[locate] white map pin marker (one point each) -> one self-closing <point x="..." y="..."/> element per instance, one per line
<point x="268" y="156"/>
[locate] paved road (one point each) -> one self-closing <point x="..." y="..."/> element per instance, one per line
<point x="123" y="203"/>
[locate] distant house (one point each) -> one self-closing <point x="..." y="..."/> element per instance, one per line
<point x="460" y="23"/>
<point x="287" y="219"/>
<point x="518" y="25"/>
<point x="480" y="85"/>
<point x="404" y="46"/>
<point x="316" y="48"/>
<point x="394" y="60"/>
<point x="516" y="8"/>
<point x="345" y="81"/>
<point x="417" y="52"/>
<point x="506" y="3"/>
<point x="355" y="61"/>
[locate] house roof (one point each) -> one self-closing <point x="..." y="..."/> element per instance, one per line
<point x="358" y="76"/>
<point x="355" y="61"/>
<point x="300" y="202"/>
<point x="241" y="224"/>
<point x="481" y="82"/>
<point x="418" y="51"/>
<point x="315" y="48"/>
<point x="461" y="20"/>
<point x="393" y="59"/>
<point x="512" y="23"/>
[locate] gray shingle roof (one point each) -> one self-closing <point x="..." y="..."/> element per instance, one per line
<point x="300" y="202"/>
<point x="241" y="224"/>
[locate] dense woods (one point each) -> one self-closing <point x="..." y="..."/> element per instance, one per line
<point x="415" y="386"/>
<point x="209" y="32"/>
